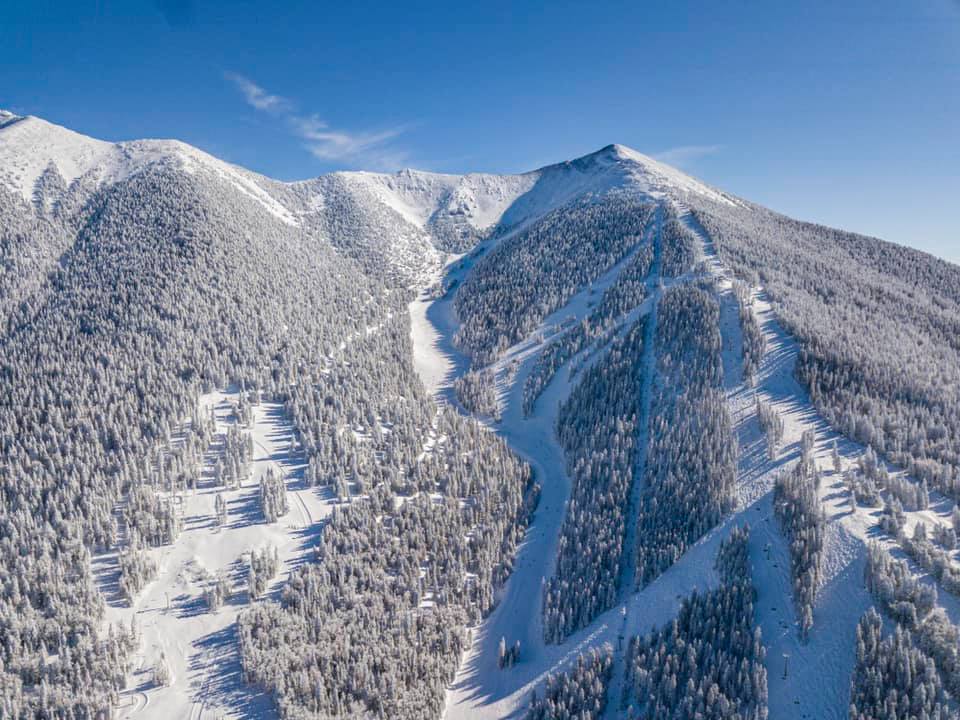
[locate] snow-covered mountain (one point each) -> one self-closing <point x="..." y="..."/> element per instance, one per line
<point x="402" y="219"/>
<point x="414" y="445"/>
<point x="31" y="147"/>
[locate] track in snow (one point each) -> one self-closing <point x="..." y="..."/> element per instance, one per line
<point x="200" y="646"/>
<point x="481" y="689"/>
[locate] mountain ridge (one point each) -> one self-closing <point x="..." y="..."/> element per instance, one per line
<point x="420" y="196"/>
<point x="403" y="221"/>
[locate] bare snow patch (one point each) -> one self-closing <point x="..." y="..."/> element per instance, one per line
<point x="198" y="645"/>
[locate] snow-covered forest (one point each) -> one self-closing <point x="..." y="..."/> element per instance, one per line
<point x="690" y="454"/>
<point x="708" y="662"/>
<point x="577" y="693"/>
<point x="623" y="296"/>
<point x="597" y="429"/>
<point x="416" y="445"/>
<point x="531" y="274"/>
<point x="801" y="518"/>
<point x="877" y="324"/>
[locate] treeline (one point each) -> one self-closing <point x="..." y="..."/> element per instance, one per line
<point x="415" y="554"/>
<point x="217" y="593"/>
<point x="150" y="518"/>
<point x="690" y="465"/>
<point x="772" y="426"/>
<point x="116" y="330"/>
<point x="597" y="428"/>
<point x="161" y="288"/>
<point x="515" y="286"/>
<point x="798" y="509"/>
<point x="892" y="678"/>
<point x="626" y="292"/>
<point x="877" y="325"/>
<point x="364" y="228"/>
<point x="913" y="606"/>
<point x="935" y="560"/>
<point x="32" y="240"/>
<point x="870" y="475"/>
<point x="363" y="416"/>
<point x="137" y="568"/>
<point x="709" y="661"/>
<point x="233" y="466"/>
<point x="754" y="342"/>
<point x="264" y="565"/>
<point x="579" y="693"/>
<point x="273" y="495"/>
<point x="680" y="247"/>
<point x="477" y="392"/>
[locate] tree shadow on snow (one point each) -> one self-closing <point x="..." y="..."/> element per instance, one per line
<point x="245" y="510"/>
<point x="217" y="658"/>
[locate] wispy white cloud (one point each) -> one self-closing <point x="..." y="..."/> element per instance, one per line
<point x="334" y="145"/>
<point x="685" y="155"/>
<point x="257" y="97"/>
<point x="369" y="149"/>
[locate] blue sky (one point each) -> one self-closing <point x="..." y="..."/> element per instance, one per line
<point x="845" y="115"/>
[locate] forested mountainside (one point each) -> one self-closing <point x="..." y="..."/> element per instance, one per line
<point x="618" y="401"/>
<point x="156" y="289"/>
<point x="879" y="325"/>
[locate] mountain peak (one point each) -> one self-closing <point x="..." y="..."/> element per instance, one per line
<point x="615" y="167"/>
<point x="619" y="150"/>
<point x="616" y="151"/>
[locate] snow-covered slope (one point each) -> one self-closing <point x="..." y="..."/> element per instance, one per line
<point x="614" y="168"/>
<point x="202" y="224"/>
<point x="482" y="201"/>
<point x="820" y="670"/>
<point x="423" y="197"/>
<point x="30" y="145"/>
<point x="399" y="219"/>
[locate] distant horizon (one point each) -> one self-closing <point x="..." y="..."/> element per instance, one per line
<point x="844" y="116"/>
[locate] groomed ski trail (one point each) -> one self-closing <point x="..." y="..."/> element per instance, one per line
<point x="816" y="682"/>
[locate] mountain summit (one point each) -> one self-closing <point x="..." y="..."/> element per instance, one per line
<point x="596" y="440"/>
<point x="442" y="211"/>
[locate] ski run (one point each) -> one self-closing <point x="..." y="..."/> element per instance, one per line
<point x="190" y="586"/>
<point x="805" y="679"/>
<point x="198" y="647"/>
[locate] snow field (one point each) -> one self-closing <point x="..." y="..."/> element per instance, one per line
<point x="200" y="646"/>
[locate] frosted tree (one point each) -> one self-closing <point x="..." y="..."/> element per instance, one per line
<point x="577" y="693"/>
<point x="893" y="678"/>
<point x="689" y="470"/>
<point x="797" y="507"/>
<point x="597" y="427"/>
<point x="876" y="324"/>
<point x="273" y="496"/>
<point x="709" y="661"/>
<point x="162" y="675"/>
<point x="527" y="277"/>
